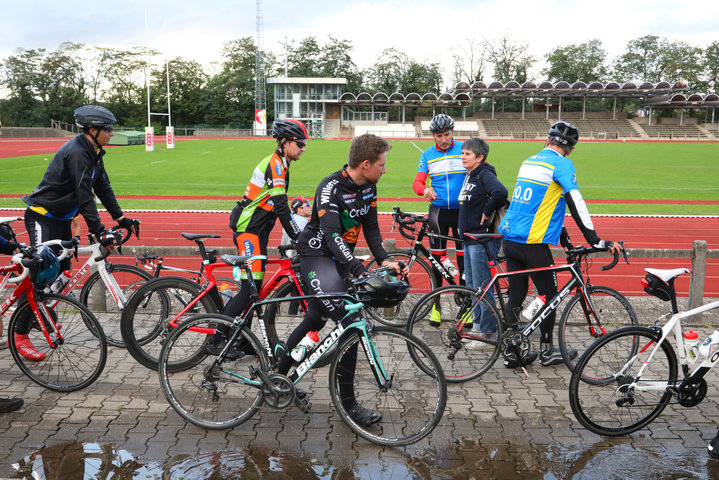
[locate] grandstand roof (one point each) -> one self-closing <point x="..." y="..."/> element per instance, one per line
<point x="565" y="89"/>
<point x="679" y="100"/>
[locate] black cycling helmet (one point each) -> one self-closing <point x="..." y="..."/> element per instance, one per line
<point x="564" y="133"/>
<point x="290" y="129"/>
<point x="45" y="272"/>
<point x="376" y="292"/>
<point x="441" y="123"/>
<point x="94" y="116"/>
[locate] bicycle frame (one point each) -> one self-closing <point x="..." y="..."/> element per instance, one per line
<point x="418" y="246"/>
<point x="26" y="287"/>
<point x="285" y="270"/>
<point x="334" y="336"/>
<point x="96" y="256"/>
<point x="673" y="325"/>
<point x="576" y="281"/>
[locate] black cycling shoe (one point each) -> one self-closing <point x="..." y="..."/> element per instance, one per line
<point x="215" y="348"/>
<point x="363" y="417"/>
<point x="8" y="405"/>
<point x="713" y="447"/>
<point x="529" y="357"/>
<point x="551" y="355"/>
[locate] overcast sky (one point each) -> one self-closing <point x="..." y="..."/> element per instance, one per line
<point x="426" y="31"/>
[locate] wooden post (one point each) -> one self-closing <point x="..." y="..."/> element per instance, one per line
<point x="699" y="267"/>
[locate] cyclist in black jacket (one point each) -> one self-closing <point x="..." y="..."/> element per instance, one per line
<point x="75" y="175"/>
<point x="345" y="203"/>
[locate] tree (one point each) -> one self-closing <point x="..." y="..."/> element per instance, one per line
<point x="388" y="71"/>
<point x="511" y="60"/>
<point x="654" y="59"/>
<point x="470" y="60"/>
<point x="310" y="59"/>
<point x="584" y="62"/>
<point x="419" y="77"/>
<point x="124" y="89"/>
<point x="187" y="86"/>
<point x="710" y="66"/>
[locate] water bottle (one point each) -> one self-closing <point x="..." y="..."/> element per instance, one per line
<point x="225" y="292"/>
<point x="710" y="344"/>
<point x="305" y="345"/>
<point x="534" y="307"/>
<point x="447" y="263"/>
<point x="691" y="342"/>
<point x="62" y="280"/>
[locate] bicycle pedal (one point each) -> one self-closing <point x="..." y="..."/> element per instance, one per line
<point x="303" y="404"/>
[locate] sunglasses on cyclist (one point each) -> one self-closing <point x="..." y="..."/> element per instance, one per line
<point x="300" y="144"/>
<point x="108" y="128"/>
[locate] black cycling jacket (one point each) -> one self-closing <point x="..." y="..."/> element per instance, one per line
<point x="74" y="176"/>
<point x="340" y="210"/>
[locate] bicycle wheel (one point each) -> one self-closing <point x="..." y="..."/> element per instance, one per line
<point x="145" y="322"/>
<point x="421" y="280"/>
<point x="410" y="400"/>
<point x="466" y="354"/>
<point x="617" y="401"/>
<point x="209" y="394"/>
<point x="95" y="296"/>
<point x="70" y="363"/>
<point x="612" y="310"/>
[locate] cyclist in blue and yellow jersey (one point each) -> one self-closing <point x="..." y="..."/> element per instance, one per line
<point x="264" y="201"/>
<point x="546" y="185"/>
<point x="442" y="163"/>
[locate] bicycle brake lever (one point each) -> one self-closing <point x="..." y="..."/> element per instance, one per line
<point x="624" y="251"/>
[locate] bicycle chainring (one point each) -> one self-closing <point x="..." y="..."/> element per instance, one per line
<point x="513" y="340"/>
<point x="279" y="392"/>
<point x="692" y="391"/>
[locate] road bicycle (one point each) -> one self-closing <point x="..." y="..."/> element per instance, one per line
<point x="466" y="354"/>
<point x="215" y="393"/>
<point x="627" y="378"/>
<point x="162" y="303"/>
<point x="66" y="334"/>
<point x="424" y="271"/>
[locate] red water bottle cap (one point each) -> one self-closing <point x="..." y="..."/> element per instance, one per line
<point x="691" y="335"/>
<point x="314" y="336"/>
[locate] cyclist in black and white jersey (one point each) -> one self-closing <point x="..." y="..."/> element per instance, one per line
<point x="345" y="203"/>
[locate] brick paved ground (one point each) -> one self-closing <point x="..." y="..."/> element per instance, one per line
<point x="501" y="425"/>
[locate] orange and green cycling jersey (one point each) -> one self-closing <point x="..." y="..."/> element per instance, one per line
<point x="266" y="198"/>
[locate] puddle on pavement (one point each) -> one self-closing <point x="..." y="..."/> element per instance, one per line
<point x="92" y="461"/>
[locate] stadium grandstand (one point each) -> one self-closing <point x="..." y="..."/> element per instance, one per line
<point x="540" y="105"/>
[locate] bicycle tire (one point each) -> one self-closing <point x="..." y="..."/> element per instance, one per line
<point x="600" y="405"/>
<point x="459" y="362"/>
<point x="421" y="279"/>
<point x="145" y="322"/>
<point x="95" y="296"/>
<point x="213" y="398"/>
<point x="76" y="361"/>
<point x="411" y="403"/>
<point x="613" y="310"/>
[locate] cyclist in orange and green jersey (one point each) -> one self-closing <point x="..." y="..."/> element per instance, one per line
<point x="264" y="201"/>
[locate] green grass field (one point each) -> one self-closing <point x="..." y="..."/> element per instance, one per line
<point x="605" y="171"/>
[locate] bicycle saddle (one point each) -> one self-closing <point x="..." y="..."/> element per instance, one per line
<point x="235" y="260"/>
<point x="197" y="236"/>
<point x="668" y="274"/>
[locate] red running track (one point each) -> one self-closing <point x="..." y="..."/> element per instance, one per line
<point x="164" y="228"/>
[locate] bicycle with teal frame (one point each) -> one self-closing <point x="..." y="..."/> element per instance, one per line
<point x="216" y="393"/>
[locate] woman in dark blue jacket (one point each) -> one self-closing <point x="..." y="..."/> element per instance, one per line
<point x="482" y="193"/>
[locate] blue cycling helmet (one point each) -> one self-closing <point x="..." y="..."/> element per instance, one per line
<point x="45" y="272"/>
